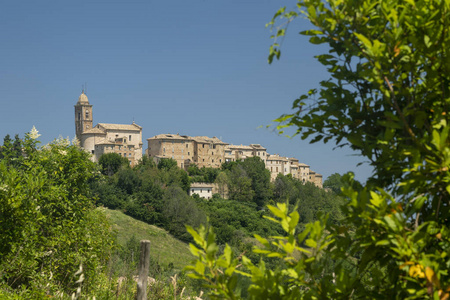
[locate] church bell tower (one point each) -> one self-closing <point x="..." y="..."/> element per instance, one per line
<point x="83" y="116"/>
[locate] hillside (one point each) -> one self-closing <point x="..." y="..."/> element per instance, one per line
<point x="164" y="247"/>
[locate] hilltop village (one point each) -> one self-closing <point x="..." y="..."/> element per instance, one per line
<point x="126" y="140"/>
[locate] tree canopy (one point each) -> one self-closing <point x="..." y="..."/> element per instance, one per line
<point x="387" y="98"/>
<point x="49" y="225"/>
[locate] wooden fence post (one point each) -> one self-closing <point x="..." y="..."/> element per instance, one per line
<point x="144" y="264"/>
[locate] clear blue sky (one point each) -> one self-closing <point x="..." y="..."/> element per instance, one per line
<point x="188" y="67"/>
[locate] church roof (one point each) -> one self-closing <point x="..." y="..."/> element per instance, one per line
<point x="83" y="99"/>
<point x="107" y="126"/>
<point x="94" y="130"/>
<point x="105" y="142"/>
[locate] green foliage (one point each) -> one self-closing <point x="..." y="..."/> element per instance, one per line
<point x="110" y="163"/>
<point x="204" y="174"/>
<point x="235" y="220"/>
<point x="167" y="163"/>
<point x="181" y="210"/>
<point x="48" y="223"/>
<point x="310" y="200"/>
<point x="388" y="99"/>
<point x="334" y="183"/>
<point x="220" y="273"/>
<point x="240" y="185"/>
<point x="260" y="178"/>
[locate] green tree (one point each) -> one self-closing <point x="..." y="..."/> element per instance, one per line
<point x="334" y="183"/>
<point x="181" y="210"/>
<point x="222" y="184"/>
<point x="240" y="185"/>
<point x="167" y="163"/>
<point x="48" y="222"/>
<point x="260" y="177"/>
<point x="388" y="99"/>
<point x="127" y="180"/>
<point x="110" y="163"/>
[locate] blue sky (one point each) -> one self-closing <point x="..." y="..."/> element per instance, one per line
<point x="188" y="67"/>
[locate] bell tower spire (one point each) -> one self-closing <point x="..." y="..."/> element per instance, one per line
<point x="83" y="116"/>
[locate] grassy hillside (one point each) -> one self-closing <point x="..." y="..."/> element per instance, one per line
<point x="164" y="248"/>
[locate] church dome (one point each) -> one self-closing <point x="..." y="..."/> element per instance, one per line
<point x="83" y="99"/>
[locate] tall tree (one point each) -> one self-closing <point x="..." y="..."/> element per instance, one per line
<point x="110" y="163"/>
<point x="334" y="182"/>
<point x="240" y="185"/>
<point x="260" y="177"/>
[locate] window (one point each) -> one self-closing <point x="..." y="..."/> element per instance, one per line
<point x="214" y="147"/>
<point x="186" y="145"/>
<point x="189" y="153"/>
<point x="79" y="116"/>
<point x="277" y="169"/>
<point x="192" y="190"/>
<point x="124" y="155"/>
<point x="213" y="160"/>
<point x="87" y="114"/>
<point x="203" y="145"/>
<point x="164" y="149"/>
<point x="173" y="150"/>
<point x="212" y="153"/>
<point x="208" y="190"/>
<point x="129" y="154"/>
<point x="92" y="151"/>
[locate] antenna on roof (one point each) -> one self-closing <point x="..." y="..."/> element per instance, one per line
<point x="82" y="88"/>
<point x="85" y="87"/>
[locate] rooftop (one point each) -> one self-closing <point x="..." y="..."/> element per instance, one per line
<point x="132" y="126"/>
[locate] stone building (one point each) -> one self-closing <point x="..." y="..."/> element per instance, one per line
<point x="124" y="139"/>
<point x="235" y="152"/>
<point x="277" y="164"/>
<point x="315" y="178"/>
<point x="200" y="150"/>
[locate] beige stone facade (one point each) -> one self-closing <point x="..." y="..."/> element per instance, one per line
<point x="124" y="139"/>
<point x="200" y="150"/>
<point x="212" y="152"/>
<point x="241" y="152"/>
<point x="277" y="164"/>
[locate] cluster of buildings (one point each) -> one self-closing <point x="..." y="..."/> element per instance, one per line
<point x="126" y="140"/>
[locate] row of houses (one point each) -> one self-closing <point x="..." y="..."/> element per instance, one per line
<point x="126" y="140"/>
<point x="212" y="152"/>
